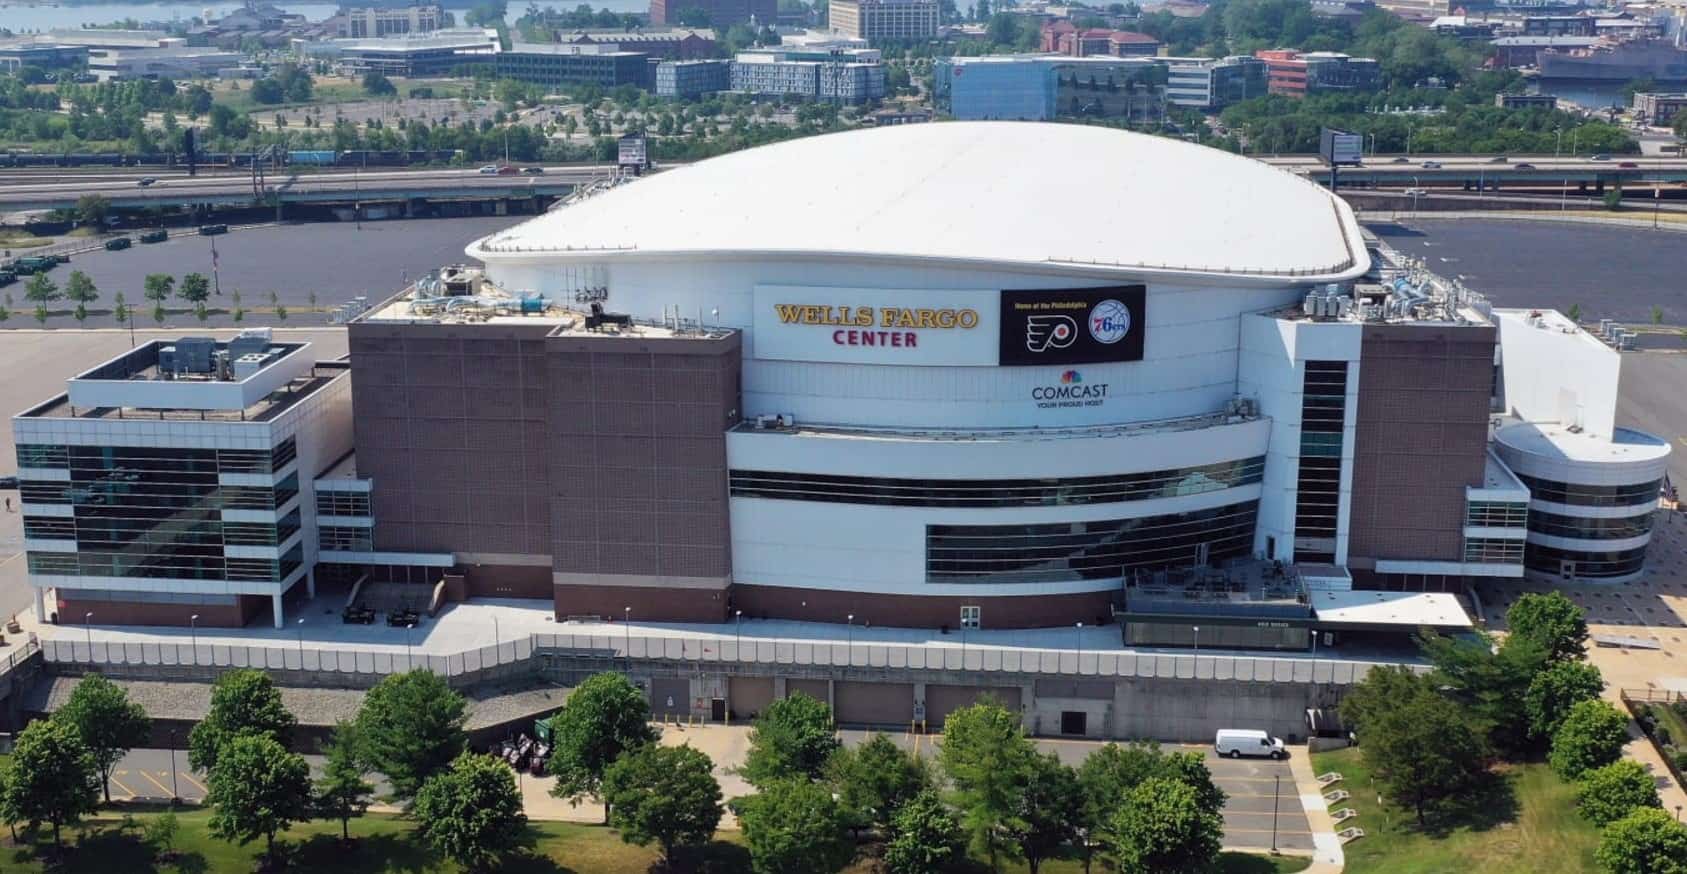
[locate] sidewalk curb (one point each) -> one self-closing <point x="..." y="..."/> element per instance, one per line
<point x="1327" y="857"/>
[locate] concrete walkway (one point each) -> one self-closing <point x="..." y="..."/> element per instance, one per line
<point x="1327" y="858"/>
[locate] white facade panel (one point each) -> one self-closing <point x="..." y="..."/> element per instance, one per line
<point x="1556" y="372"/>
<point x="859" y="548"/>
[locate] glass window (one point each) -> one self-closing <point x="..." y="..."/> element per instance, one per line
<point x="42" y="455"/>
<point x="49" y="528"/>
<point x="1634" y="495"/>
<point x="346" y="538"/>
<point x="1085" y="550"/>
<point x="1590" y="529"/>
<point x="1492" y="550"/>
<point x="1496" y="514"/>
<point x="1584" y="563"/>
<point x="987" y="493"/>
<point x="43" y="492"/>
<point x="338" y="503"/>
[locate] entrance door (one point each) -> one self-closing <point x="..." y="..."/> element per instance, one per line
<point x="717" y="710"/>
<point x="971" y="617"/>
<point x="1074" y="722"/>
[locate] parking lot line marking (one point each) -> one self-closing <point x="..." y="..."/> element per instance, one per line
<point x="119" y="784"/>
<point x="1263" y="831"/>
<point x="189" y="777"/>
<point x="161" y="787"/>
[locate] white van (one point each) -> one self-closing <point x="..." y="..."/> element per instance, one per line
<point x="1239" y="742"/>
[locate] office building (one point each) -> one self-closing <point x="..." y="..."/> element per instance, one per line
<point x="771" y="72"/>
<point x="15" y="54"/>
<point x="1205" y="83"/>
<point x="553" y="65"/>
<point x="172" y="485"/>
<point x="382" y="21"/>
<point x="692" y="78"/>
<point x="1296" y="74"/>
<point x="677" y="44"/>
<point x="1659" y="109"/>
<point x="434" y="53"/>
<point x="1525" y="101"/>
<point x="885" y="20"/>
<point x="1045" y="87"/>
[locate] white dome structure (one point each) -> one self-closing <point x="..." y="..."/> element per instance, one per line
<point x="1053" y="197"/>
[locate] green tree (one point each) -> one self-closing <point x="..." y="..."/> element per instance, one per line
<point x="243" y="702"/>
<point x="795" y="825"/>
<point x="471" y="812"/>
<point x="987" y="757"/>
<point x="91" y="209"/>
<point x="875" y="779"/>
<point x="924" y="837"/>
<point x="341" y="791"/>
<point x="1657" y="314"/>
<point x="160" y="833"/>
<point x="1550" y="619"/>
<point x="108" y="723"/>
<point x="41" y="290"/>
<point x="410" y="728"/>
<point x="257" y="789"/>
<point x="1105" y="780"/>
<point x="1591" y="736"/>
<point x="377" y="85"/>
<point x="158" y="287"/>
<point x="52" y="777"/>
<point x="1422" y="749"/>
<point x="195" y="288"/>
<point x="1647" y="841"/>
<point x="1575" y="312"/>
<point x="663" y="795"/>
<point x="120" y="309"/>
<point x="1050" y="808"/>
<point x="80" y="288"/>
<point x="605" y="717"/>
<point x="793" y="738"/>
<point x="1557" y="688"/>
<point x="1612" y="792"/>
<point x="1491" y="684"/>
<point x="1163" y="829"/>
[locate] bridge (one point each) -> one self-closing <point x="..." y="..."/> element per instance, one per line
<point x="59" y="189"/>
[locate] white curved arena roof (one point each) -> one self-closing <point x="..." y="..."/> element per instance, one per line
<point x="996" y="193"/>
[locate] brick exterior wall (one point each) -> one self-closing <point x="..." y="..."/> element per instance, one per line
<point x="638" y="430"/>
<point x="920" y="611"/>
<point x="450" y="428"/>
<point x="1422" y="431"/>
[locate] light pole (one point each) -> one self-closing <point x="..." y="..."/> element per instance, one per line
<point x="1276" y="789"/>
<point x="738" y="633"/>
<point x="1197" y="639"/>
<point x="1416" y="187"/>
<point x="88" y="626"/>
<point x="1078" y="634"/>
<point x="627" y="623"/>
<point x="299" y="626"/>
<point x="1558" y="144"/>
<point x="850" y="652"/>
<point x="497" y="639"/>
<point x="1314" y="643"/>
<point x="193" y="634"/>
<point x="175" y="791"/>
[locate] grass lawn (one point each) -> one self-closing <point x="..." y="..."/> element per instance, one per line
<point x="21" y="240"/>
<point x="1527" y="825"/>
<point x="385" y="844"/>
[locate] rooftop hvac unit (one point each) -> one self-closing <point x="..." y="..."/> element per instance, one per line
<point x="248" y="365"/>
<point x="191" y="355"/>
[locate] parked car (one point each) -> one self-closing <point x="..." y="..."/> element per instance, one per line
<point x="1432" y="165"/>
<point x="156" y="235"/>
<point x="1599" y="157"/>
<point x="489" y="170"/>
<point x="1628" y="165"/>
<point x="212" y="230"/>
<point x="1498" y="159"/>
<point x="1401" y="160"/>
<point x="1417" y="192"/>
<point x="116" y="243"/>
<point x="507" y="170"/>
<point x="1525" y="166"/>
<point x="1239" y="742"/>
<point x="144" y="181"/>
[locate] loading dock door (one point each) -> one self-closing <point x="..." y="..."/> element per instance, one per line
<point x="670" y="696"/>
<point x="944" y="700"/>
<point x="819" y="690"/>
<point x="749" y="696"/>
<point x="881" y="704"/>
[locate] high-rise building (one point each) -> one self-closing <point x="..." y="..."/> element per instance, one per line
<point x="378" y="21"/>
<point x="876" y="20"/>
<point x="718" y="14"/>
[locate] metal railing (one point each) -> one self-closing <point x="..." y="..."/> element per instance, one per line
<point x="724" y="653"/>
<point x="18" y="655"/>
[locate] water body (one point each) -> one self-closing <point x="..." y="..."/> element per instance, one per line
<point x="1592" y="94"/>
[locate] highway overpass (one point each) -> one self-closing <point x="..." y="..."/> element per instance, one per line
<point x="55" y="188"/>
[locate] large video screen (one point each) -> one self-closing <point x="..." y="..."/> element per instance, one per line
<point x="1072" y="326"/>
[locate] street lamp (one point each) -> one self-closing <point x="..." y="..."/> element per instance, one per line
<point x="627" y="622"/>
<point x="850" y="619"/>
<point x="1197" y="639"/>
<point x="175" y="791"/>
<point x="1079" y="635"/>
<point x="299" y="626"/>
<point x="193" y="634"/>
<point x="1416" y="187"/>
<point x="497" y="639"/>
<point x="1314" y="642"/>
<point x="1276" y="790"/>
<point x="738" y="633"/>
<point x="88" y="626"/>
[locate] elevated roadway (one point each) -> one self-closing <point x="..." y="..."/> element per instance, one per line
<point x="59" y="188"/>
